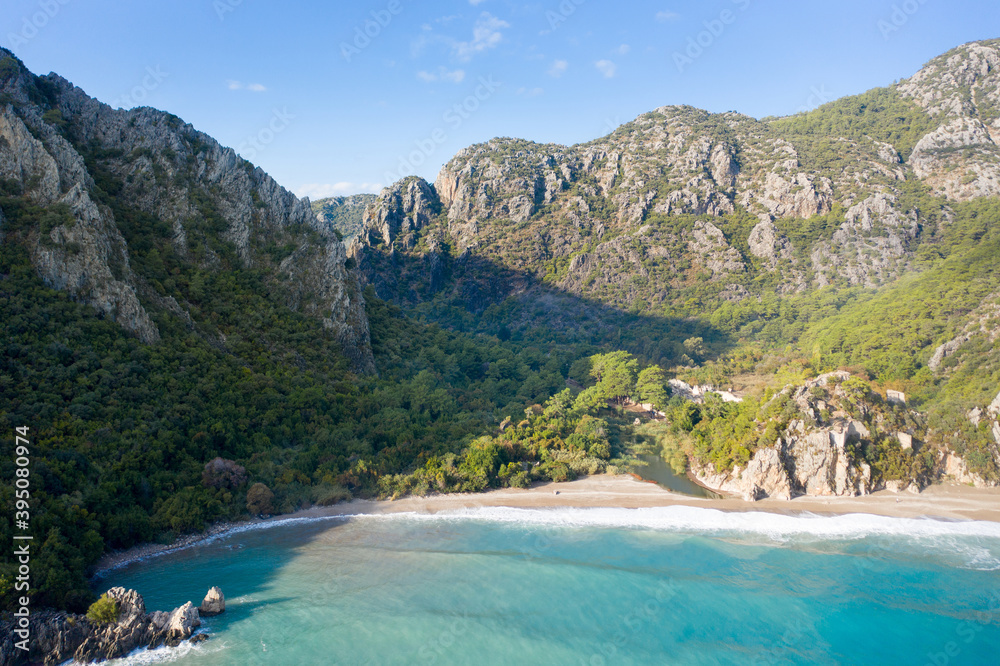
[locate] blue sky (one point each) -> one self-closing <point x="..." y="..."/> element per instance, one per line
<point x="341" y="97"/>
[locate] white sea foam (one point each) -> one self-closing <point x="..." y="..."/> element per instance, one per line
<point x="968" y="544"/>
<point x="802" y="528"/>
<point x="686" y="519"/>
<point x="165" y="655"/>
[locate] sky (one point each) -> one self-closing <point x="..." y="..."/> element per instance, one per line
<point x="336" y="98"/>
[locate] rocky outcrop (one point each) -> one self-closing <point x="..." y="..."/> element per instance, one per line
<point x="399" y="212"/>
<point x="57" y="637"/>
<point x="709" y="244"/>
<point x="961" y="90"/>
<point x="768" y="244"/>
<point x="870" y="247"/>
<point x="992" y="416"/>
<point x="959" y="160"/>
<point x="697" y="393"/>
<point x="213" y="604"/>
<point x="79" y="250"/>
<point x="957" y="469"/>
<point x="813" y="462"/>
<point x="820" y="454"/>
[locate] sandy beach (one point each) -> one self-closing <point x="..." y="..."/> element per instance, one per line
<point x="946" y="501"/>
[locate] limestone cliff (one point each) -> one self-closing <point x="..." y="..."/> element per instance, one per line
<point x="576" y="217"/>
<point x="91" y="164"/>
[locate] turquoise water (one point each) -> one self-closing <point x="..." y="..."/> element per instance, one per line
<point x="671" y="585"/>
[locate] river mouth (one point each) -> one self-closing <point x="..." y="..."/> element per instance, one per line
<point x="659" y="472"/>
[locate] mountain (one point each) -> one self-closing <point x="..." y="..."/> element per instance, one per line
<point x="863" y="235"/>
<point x="119" y="182"/>
<point x="844" y="195"/>
<point x="344" y="215"/>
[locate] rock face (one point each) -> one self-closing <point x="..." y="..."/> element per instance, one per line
<point x="960" y="159"/>
<point x="816" y="455"/>
<point x="344" y="214"/>
<point x="166" y="171"/>
<point x="213" y="604"/>
<point x="57" y="637"/>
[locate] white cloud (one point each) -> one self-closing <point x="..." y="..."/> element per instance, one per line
<point x="485" y="35"/>
<point x="252" y="87"/>
<point x="607" y="68"/>
<point x="317" y="191"/>
<point x="530" y="92"/>
<point x="442" y="74"/>
<point x="558" y="68"/>
<point x="623" y="49"/>
<point x="667" y="16"/>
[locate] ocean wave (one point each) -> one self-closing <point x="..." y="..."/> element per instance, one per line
<point x="967" y="544"/>
<point x="704" y="520"/>
<point x="756" y="526"/>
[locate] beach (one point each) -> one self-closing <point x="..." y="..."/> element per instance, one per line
<point x="949" y="501"/>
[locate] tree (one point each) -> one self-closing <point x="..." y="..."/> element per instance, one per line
<point x="695" y="348"/>
<point x="615" y="374"/>
<point x="651" y="386"/>
<point x="259" y="500"/>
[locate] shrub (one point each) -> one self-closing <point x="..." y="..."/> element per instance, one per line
<point x="104" y="610"/>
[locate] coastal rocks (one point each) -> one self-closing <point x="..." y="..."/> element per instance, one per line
<point x="815" y="464"/>
<point x="956" y="468"/>
<point x="820" y="464"/>
<point x="992" y="413"/>
<point x="766" y="476"/>
<point x="213" y="604"/>
<point x="57" y="637"/>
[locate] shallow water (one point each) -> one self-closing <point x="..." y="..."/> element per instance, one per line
<point x="658" y="471"/>
<point x="673" y="585"/>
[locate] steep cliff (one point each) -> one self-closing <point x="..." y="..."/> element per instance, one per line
<point x="108" y="177"/>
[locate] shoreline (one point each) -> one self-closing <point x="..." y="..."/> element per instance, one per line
<point x="949" y="501"/>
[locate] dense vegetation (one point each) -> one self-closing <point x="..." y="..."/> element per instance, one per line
<point x="126" y="438"/>
<point x="249" y="407"/>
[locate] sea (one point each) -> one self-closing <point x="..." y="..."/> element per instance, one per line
<point x="587" y="587"/>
